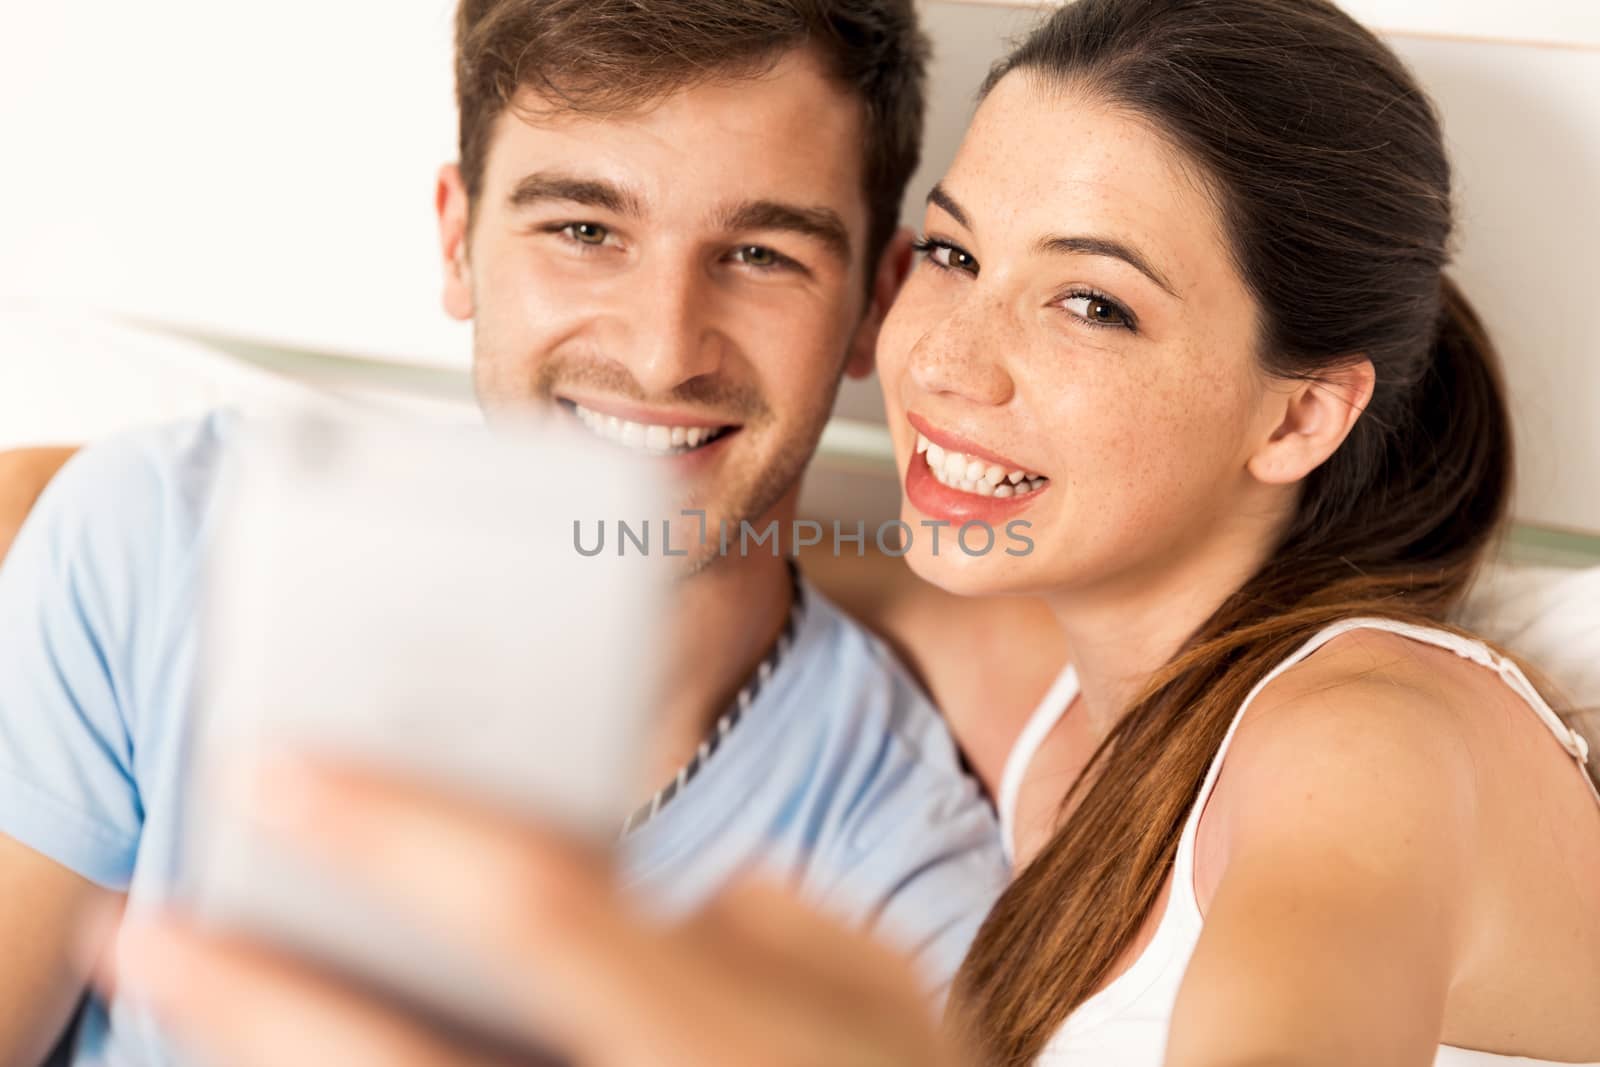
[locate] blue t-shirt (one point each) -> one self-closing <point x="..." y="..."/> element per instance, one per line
<point x="840" y="775"/>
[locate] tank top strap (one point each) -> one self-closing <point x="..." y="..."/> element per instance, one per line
<point x="1476" y="651"/>
<point x="1063" y="691"/>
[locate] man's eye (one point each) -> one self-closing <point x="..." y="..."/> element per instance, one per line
<point x="588" y="233"/>
<point x="757" y="256"/>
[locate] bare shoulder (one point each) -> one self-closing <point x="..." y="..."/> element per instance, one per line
<point x="1370" y="689"/>
<point x="1378" y="737"/>
<point x="1367" y="749"/>
<point x="1396" y="773"/>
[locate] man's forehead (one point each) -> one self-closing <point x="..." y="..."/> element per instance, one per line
<point x="798" y="80"/>
<point x="789" y="134"/>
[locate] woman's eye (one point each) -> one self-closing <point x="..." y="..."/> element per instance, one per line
<point x="588" y="233"/>
<point x="951" y="258"/>
<point x="1097" y="311"/>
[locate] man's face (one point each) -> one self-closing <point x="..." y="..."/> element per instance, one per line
<point x="688" y="280"/>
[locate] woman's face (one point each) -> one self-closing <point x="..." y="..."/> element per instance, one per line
<point x="1078" y="342"/>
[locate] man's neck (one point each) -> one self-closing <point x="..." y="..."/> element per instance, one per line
<point x="722" y="622"/>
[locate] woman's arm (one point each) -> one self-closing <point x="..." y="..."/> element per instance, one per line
<point x="985" y="661"/>
<point x="1342" y="837"/>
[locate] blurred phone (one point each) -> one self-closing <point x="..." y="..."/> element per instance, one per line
<point x="410" y="597"/>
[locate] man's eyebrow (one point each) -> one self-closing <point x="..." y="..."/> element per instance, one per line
<point x="938" y="197"/>
<point x="819" y="223"/>
<point x="1105" y="246"/>
<point x="571" y="188"/>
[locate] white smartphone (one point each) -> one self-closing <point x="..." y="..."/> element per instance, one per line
<point x="412" y="596"/>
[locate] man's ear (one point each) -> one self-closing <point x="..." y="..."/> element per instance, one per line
<point x="1311" y="420"/>
<point x="890" y="274"/>
<point x="450" y="201"/>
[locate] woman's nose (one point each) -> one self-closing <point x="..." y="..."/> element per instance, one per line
<point x="960" y="356"/>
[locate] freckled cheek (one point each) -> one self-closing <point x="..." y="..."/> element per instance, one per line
<point x="1139" y="448"/>
<point x="892" y="359"/>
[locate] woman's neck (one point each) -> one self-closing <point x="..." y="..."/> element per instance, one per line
<point x="1121" y="632"/>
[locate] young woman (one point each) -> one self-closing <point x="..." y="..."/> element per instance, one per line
<point x="1182" y="309"/>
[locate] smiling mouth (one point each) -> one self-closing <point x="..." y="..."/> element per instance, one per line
<point x="966" y="474"/>
<point x="650" y="438"/>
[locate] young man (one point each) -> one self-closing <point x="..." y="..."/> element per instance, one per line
<point x="674" y="221"/>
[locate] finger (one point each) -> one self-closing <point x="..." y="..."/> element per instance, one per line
<point x="818" y="948"/>
<point x="244" y="1005"/>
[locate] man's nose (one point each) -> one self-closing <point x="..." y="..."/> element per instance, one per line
<point x="671" y="334"/>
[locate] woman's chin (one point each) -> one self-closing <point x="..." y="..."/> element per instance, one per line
<point x="974" y="568"/>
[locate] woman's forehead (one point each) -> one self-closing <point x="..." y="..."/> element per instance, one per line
<point x="1047" y="158"/>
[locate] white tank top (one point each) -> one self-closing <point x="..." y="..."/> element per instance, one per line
<point x="1125" y="1024"/>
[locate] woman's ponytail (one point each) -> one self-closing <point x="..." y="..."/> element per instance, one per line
<point x="1461" y="408"/>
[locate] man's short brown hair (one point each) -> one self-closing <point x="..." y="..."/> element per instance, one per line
<point x="615" y="55"/>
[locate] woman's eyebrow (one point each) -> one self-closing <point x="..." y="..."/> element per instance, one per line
<point x="1105" y="246"/>
<point x="940" y="197"/>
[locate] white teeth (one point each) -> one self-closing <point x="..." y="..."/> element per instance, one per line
<point x="977" y="476"/>
<point x="657" y="440"/>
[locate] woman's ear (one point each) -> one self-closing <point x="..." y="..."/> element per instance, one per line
<point x="890" y="274"/>
<point x="453" y="208"/>
<point x="1311" y="419"/>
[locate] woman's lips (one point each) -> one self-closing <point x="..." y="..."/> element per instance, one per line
<point x="939" y="501"/>
<point x="954" y="442"/>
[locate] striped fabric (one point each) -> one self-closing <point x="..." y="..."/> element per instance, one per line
<point x="730" y="718"/>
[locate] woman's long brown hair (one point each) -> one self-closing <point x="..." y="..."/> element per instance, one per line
<point x="1328" y="166"/>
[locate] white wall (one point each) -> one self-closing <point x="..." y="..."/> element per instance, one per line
<point x="1562" y="22"/>
<point x="261" y="168"/>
